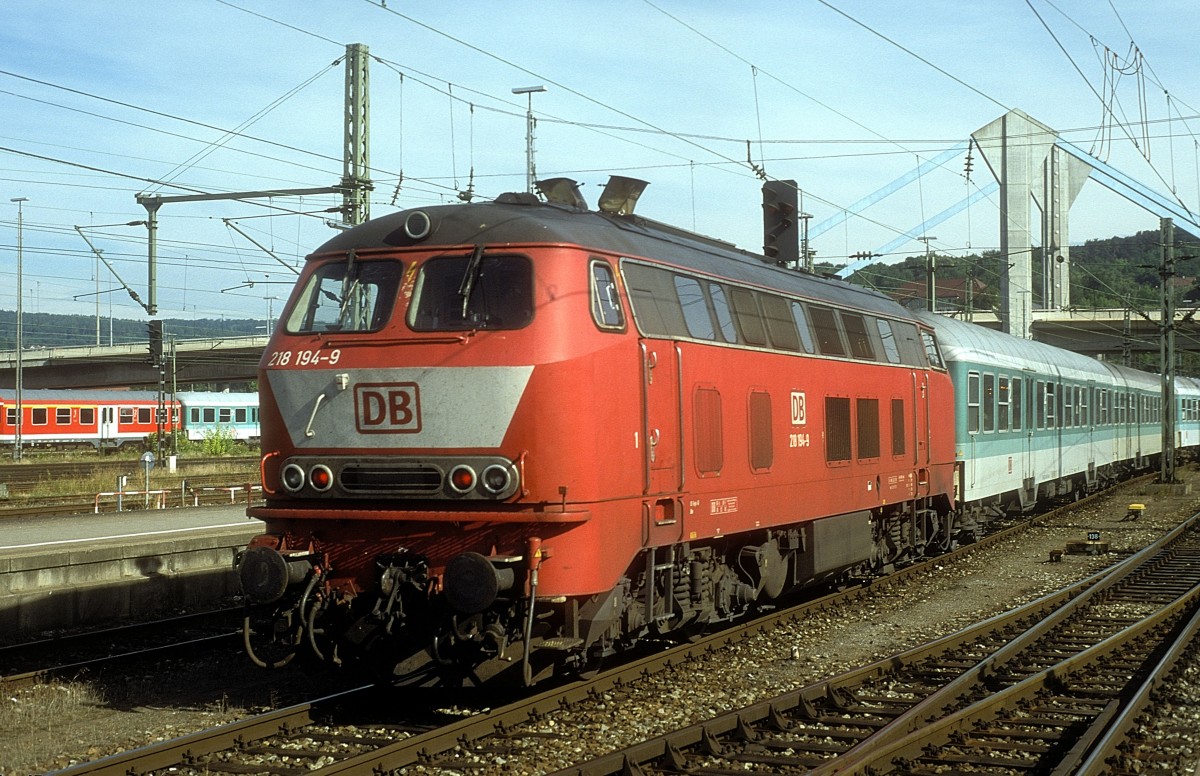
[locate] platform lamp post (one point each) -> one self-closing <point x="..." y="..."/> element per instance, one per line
<point x="16" y="454"/>
<point x="530" y="170"/>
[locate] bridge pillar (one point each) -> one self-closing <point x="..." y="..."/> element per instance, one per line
<point x="1015" y="147"/>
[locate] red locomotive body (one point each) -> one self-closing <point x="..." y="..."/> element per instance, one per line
<point x="521" y="436"/>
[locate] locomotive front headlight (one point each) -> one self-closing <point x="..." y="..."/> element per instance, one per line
<point x="292" y="477"/>
<point x="321" y="478"/>
<point x="462" y="478"/>
<point x="496" y="479"/>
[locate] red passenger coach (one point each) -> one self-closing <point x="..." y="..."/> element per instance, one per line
<point x="516" y="437"/>
<point x="102" y="419"/>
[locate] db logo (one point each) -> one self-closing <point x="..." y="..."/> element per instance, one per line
<point x="387" y="408"/>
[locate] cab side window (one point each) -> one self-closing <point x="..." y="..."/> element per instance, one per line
<point x="606" y="303"/>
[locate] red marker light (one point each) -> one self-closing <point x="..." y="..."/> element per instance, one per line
<point x="321" y="478"/>
<point x="462" y="478"/>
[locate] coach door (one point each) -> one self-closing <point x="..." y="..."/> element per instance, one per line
<point x="108" y="424"/>
<point x="661" y="438"/>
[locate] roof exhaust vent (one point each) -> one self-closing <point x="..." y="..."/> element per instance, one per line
<point x="562" y="191"/>
<point x="621" y="195"/>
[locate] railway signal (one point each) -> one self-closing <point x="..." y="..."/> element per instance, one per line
<point x="781" y="232"/>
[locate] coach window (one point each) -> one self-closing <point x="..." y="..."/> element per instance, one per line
<point x="144" y="416"/>
<point x="125" y="415"/>
<point x="748" y="317"/>
<point x="62" y="416"/>
<point x="890" y="350"/>
<point x="87" y="416"/>
<point x="695" y="308"/>
<point x="353" y="295"/>
<point x="989" y="402"/>
<point x="225" y="414"/>
<point x="239" y="415"/>
<point x="606" y="303"/>
<point x="1002" y="401"/>
<point x="1017" y="404"/>
<point x="1039" y="402"/>
<point x="721" y="308"/>
<point x="972" y="402"/>
<point x="39" y="416"/>
<point x="801" y="319"/>
<point x="779" y="322"/>
<point x="829" y="339"/>
<point x="1068" y="413"/>
<point x="856" y="334"/>
<point x="1051" y="402"/>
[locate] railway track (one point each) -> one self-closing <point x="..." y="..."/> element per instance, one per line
<point x="82" y="654"/>
<point x="190" y="485"/>
<point x="279" y="742"/>
<point x="1032" y="691"/>
<point x="21" y="477"/>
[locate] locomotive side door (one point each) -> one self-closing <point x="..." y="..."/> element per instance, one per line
<point x="662" y="408"/>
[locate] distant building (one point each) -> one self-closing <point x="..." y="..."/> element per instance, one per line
<point x="951" y="294"/>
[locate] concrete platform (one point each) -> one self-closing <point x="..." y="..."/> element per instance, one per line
<point x="65" y="572"/>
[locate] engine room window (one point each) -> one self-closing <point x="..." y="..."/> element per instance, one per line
<point x="837" y="429"/>
<point x="867" y="412"/>
<point x="829" y="339"/>
<point x="695" y="308"/>
<point x="748" y="316"/>
<point x="606" y="304"/>
<point x="710" y="445"/>
<point x="801" y="319"/>
<point x="346" y="295"/>
<point x="931" y="350"/>
<point x="899" y="442"/>
<point x="856" y="333"/>
<point x="479" y="291"/>
<point x="780" y="325"/>
<point x="724" y="316"/>
<point x="762" y="452"/>
<point x="890" y="349"/>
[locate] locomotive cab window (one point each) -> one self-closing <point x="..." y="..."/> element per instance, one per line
<point x="606" y="304"/>
<point x="346" y="296"/>
<point x="476" y="291"/>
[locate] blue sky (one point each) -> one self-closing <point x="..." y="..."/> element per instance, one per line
<point x="844" y="96"/>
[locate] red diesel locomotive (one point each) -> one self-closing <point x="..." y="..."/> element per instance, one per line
<point x="511" y="438"/>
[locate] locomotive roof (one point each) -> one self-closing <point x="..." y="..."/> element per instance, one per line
<point x="522" y="219"/>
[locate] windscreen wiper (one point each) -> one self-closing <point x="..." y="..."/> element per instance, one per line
<point x="469" y="277"/>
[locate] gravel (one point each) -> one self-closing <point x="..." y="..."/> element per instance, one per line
<point x="54" y="726"/>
